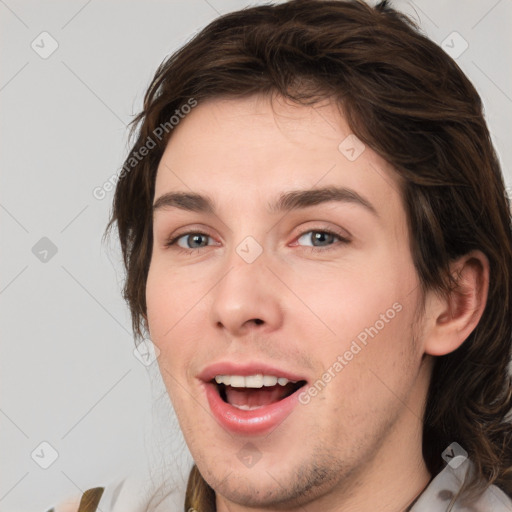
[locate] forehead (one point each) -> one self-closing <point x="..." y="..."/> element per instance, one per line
<point x="253" y="149"/>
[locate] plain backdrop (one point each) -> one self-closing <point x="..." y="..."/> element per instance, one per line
<point x="69" y="378"/>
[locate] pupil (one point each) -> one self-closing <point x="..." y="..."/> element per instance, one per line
<point x="195" y="238"/>
<point x="320" y="236"/>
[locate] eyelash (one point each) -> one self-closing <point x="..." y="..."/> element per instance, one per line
<point x="343" y="240"/>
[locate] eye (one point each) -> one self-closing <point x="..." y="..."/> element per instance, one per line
<point x="323" y="238"/>
<point x="189" y="241"/>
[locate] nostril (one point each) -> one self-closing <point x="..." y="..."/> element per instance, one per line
<point x="257" y="321"/>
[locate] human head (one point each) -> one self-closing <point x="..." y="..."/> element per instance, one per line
<point x="404" y="98"/>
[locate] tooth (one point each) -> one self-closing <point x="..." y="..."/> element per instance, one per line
<point x="237" y="381"/>
<point x="251" y="381"/>
<point x="268" y="380"/>
<point x="254" y="381"/>
<point x="247" y="407"/>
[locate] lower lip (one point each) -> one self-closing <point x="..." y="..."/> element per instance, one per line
<point x="257" y="421"/>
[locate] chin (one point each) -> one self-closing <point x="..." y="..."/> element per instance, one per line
<point x="269" y="483"/>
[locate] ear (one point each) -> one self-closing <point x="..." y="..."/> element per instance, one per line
<point x="449" y="320"/>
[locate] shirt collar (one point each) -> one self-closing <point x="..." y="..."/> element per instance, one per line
<point x="444" y="487"/>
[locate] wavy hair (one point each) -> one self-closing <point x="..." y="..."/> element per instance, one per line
<point x="404" y="97"/>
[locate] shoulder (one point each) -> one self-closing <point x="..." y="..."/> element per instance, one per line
<point x="134" y="492"/>
<point x="69" y="505"/>
<point x="87" y="502"/>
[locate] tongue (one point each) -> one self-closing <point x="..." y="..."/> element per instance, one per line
<point x="256" y="397"/>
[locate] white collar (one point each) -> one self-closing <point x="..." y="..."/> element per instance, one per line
<point x="437" y="496"/>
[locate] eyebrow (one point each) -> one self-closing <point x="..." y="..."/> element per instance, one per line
<point x="287" y="201"/>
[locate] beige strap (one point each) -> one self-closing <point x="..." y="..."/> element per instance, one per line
<point x="90" y="500"/>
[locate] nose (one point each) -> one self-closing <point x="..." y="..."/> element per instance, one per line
<point x="247" y="298"/>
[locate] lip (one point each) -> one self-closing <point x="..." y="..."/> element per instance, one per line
<point x="258" y="421"/>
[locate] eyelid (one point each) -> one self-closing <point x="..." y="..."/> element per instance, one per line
<point x="189" y="230"/>
<point x="173" y="239"/>
<point x="343" y="234"/>
<point x="342" y="240"/>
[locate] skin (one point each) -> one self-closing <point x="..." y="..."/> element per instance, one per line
<point x="363" y="430"/>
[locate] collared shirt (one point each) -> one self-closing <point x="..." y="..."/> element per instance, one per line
<point x="134" y="494"/>
<point x="438" y="495"/>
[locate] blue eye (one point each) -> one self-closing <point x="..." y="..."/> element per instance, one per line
<point x="190" y="240"/>
<point x="322" y="237"/>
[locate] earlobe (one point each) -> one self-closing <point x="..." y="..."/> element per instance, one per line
<point x="452" y="317"/>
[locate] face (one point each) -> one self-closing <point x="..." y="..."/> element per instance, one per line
<point x="295" y="264"/>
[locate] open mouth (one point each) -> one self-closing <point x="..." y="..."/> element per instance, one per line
<point x="254" y="391"/>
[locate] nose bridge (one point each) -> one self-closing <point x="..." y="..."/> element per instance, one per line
<point x="246" y="294"/>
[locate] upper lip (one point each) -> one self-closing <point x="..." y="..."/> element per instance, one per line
<point x="252" y="368"/>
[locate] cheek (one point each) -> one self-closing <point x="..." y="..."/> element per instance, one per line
<point x="170" y="295"/>
<point x="362" y="333"/>
<point x="379" y="358"/>
<point x="177" y="310"/>
<point x="351" y="299"/>
<point x="168" y="303"/>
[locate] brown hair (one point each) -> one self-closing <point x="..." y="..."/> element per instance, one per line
<point x="411" y="103"/>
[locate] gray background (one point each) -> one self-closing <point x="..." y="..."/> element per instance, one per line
<point x="68" y="373"/>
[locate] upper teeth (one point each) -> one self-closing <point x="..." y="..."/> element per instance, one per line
<point x="251" y="381"/>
